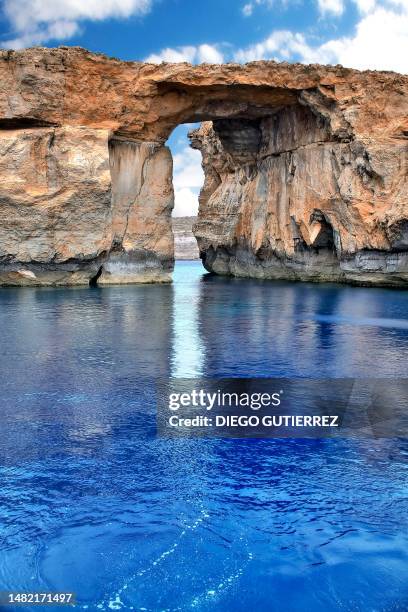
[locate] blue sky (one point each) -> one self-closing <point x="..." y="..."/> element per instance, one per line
<point x="357" y="33"/>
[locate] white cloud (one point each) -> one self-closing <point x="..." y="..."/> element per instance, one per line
<point x="210" y="54"/>
<point x="335" y="7"/>
<point x="185" y="202"/>
<point x="281" y="44"/>
<point x="248" y="9"/>
<point x="400" y="3"/>
<point x="331" y="7"/>
<point x="38" y="21"/>
<point x="193" y="54"/>
<point x="181" y="54"/>
<point x="59" y="30"/>
<point x="187" y="169"/>
<point x="380" y="42"/>
<point x="188" y="178"/>
<point x="365" y="6"/>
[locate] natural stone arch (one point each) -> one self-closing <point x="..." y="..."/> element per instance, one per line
<point x="86" y="178"/>
<point x="245" y="128"/>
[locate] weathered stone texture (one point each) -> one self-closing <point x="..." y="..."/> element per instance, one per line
<point x="185" y="245"/>
<point x="142" y="200"/>
<point x="306" y="207"/>
<point x="305" y="169"/>
<point x="55" y="204"/>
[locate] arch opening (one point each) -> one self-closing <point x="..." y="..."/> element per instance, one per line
<point x="322" y="234"/>
<point x="251" y="154"/>
<point x="188" y="179"/>
<point x="255" y="204"/>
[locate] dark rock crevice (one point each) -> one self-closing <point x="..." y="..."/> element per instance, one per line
<point x="93" y="281"/>
<point x="24" y="123"/>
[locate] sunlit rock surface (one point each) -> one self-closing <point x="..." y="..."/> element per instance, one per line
<point x="305" y="169"/>
<point x="185" y="244"/>
<point x="284" y="199"/>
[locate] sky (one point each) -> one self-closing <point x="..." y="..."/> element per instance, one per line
<point x="364" y="34"/>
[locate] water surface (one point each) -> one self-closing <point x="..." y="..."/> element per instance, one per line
<point x="91" y="501"/>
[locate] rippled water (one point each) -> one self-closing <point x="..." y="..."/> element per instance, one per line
<point x="92" y="502"/>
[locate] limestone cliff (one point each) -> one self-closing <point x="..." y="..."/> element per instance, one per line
<point x="305" y="169"/>
<point x="283" y="198"/>
<point x="77" y="205"/>
<point x="185" y="244"/>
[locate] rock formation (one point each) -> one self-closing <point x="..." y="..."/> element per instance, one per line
<point x="185" y="244"/>
<point x="305" y="169"/>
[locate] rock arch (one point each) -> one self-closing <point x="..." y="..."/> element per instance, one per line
<point x="305" y="169"/>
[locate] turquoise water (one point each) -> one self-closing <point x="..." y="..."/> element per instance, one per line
<point x="92" y="502"/>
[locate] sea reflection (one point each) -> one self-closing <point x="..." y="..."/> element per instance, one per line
<point x="82" y="360"/>
<point x="187" y="356"/>
<point x="254" y="328"/>
<point x="92" y="501"/>
<point x="88" y="360"/>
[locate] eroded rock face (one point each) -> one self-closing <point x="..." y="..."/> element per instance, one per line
<point x="141" y="248"/>
<point x="55" y="205"/>
<point x="284" y="199"/>
<point x="77" y="206"/>
<point x="305" y="169"/>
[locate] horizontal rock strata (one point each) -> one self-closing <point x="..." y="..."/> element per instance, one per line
<point x="185" y="243"/>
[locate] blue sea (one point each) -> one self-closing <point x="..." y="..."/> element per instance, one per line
<point x="91" y="501"/>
